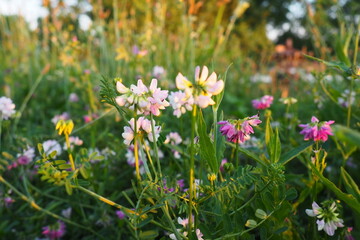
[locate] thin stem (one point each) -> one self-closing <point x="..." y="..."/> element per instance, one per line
<point x="356" y="45"/>
<point x="149" y="157"/>
<point x="1" y="120"/>
<point x="136" y="150"/>
<point x="173" y="227"/>
<point x="192" y="189"/>
<point x="155" y="145"/>
<point x="34" y="205"/>
<point x="349" y="102"/>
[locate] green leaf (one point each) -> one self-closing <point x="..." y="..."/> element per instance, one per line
<point x="291" y="194"/>
<point x="261" y="214"/>
<point x="218" y="98"/>
<point x="220" y="144"/>
<point x="58" y="162"/>
<point x="275" y="147"/>
<point x="84" y="172"/>
<point x="349" y="199"/>
<point x="350" y="185"/>
<point x="207" y="150"/>
<point x="287" y="157"/>
<point x="150" y="234"/>
<point x="68" y="187"/>
<point x="346" y="134"/>
<point x="145" y="222"/>
<point x="250" y="223"/>
<point x="64" y="166"/>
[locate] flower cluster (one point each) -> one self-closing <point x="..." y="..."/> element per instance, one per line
<point x="202" y="89"/>
<point x="174" y="139"/>
<point x="263" y="102"/>
<point x="328" y="218"/>
<point x="50" y="146"/>
<point x="184" y="222"/>
<point x="180" y="102"/>
<point x="141" y="98"/>
<point x="7" y="108"/>
<point x="238" y="131"/>
<point x="317" y="131"/>
<point x="55" y="231"/>
<point x="74" y="141"/>
<point x="143" y="127"/>
<point x="288" y="100"/>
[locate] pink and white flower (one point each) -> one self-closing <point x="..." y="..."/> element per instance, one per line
<point x="203" y="88"/>
<point x="55" y="231"/>
<point x="327" y="218"/>
<point x="238" y="131"/>
<point x="143" y="126"/>
<point x="64" y="116"/>
<point x="7" y="108"/>
<point x="317" y="131"/>
<point x="52" y="145"/>
<point x="26" y="157"/>
<point x="263" y="102"/>
<point x="180" y="103"/>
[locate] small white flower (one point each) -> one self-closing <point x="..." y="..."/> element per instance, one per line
<point x="7" y="108"/>
<point x="50" y="146"/>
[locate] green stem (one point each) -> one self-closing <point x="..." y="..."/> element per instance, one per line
<point x="349" y="102"/>
<point x="38" y="208"/>
<point x="173" y="227"/>
<point x="192" y="189"/>
<point x="27" y="98"/>
<point x="1" y="120"/>
<point x="155" y="145"/>
<point x="136" y="151"/>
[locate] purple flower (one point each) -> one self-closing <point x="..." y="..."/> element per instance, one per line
<point x="120" y="214"/>
<point x="318" y="131"/>
<point x="238" y="131"/>
<point x="8" y="201"/>
<point x="54" y="231"/>
<point x="263" y="102"/>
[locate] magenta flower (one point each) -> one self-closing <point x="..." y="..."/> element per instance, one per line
<point x="263" y="102"/>
<point x="54" y="231"/>
<point x="120" y="214"/>
<point x="238" y="131"/>
<point x="318" y="131"/>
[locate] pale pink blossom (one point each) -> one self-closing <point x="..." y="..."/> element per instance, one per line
<point x="64" y="116"/>
<point x="73" y="97"/>
<point x="74" y="141"/>
<point x="52" y="145"/>
<point x="203" y="88"/>
<point x="143" y="125"/>
<point x="26" y="157"/>
<point x="263" y="102"/>
<point x="7" y="108"/>
<point x="180" y="103"/>
<point x="317" y="131"/>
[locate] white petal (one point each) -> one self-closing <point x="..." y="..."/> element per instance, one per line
<point x="204" y="74"/>
<point x="121" y="88"/>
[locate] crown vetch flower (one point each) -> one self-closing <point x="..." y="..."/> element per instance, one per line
<point x="318" y="131"/>
<point x="55" y="231"/>
<point x="143" y="126"/>
<point x="263" y="102"/>
<point x="180" y="102"/>
<point x="203" y="88"/>
<point x="238" y="131"/>
<point x="7" y="108"/>
<point x="328" y="218"/>
<point x="142" y="99"/>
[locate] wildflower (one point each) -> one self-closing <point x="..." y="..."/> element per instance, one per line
<point x="199" y="235"/>
<point x="158" y="72"/>
<point x="87" y="118"/>
<point x="7" y="108"/>
<point x="143" y="127"/>
<point x="142" y="99"/>
<point x="73" y="97"/>
<point x="180" y="183"/>
<point x="263" y="102"/>
<point x="204" y="87"/>
<point x="318" y="131"/>
<point x="120" y="214"/>
<point x="345" y="97"/>
<point x="26" y="157"/>
<point x="165" y="188"/>
<point x="54" y="231"/>
<point x="130" y="157"/>
<point x="74" y="141"/>
<point x="238" y="131"/>
<point x="50" y="146"/>
<point x="328" y="218"/>
<point x="66" y="212"/>
<point x="8" y="201"/>
<point x="137" y="52"/>
<point x="288" y="100"/>
<point x="180" y="103"/>
<point x="64" y="116"/>
<point x="223" y="162"/>
<point x="173" y="138"/>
